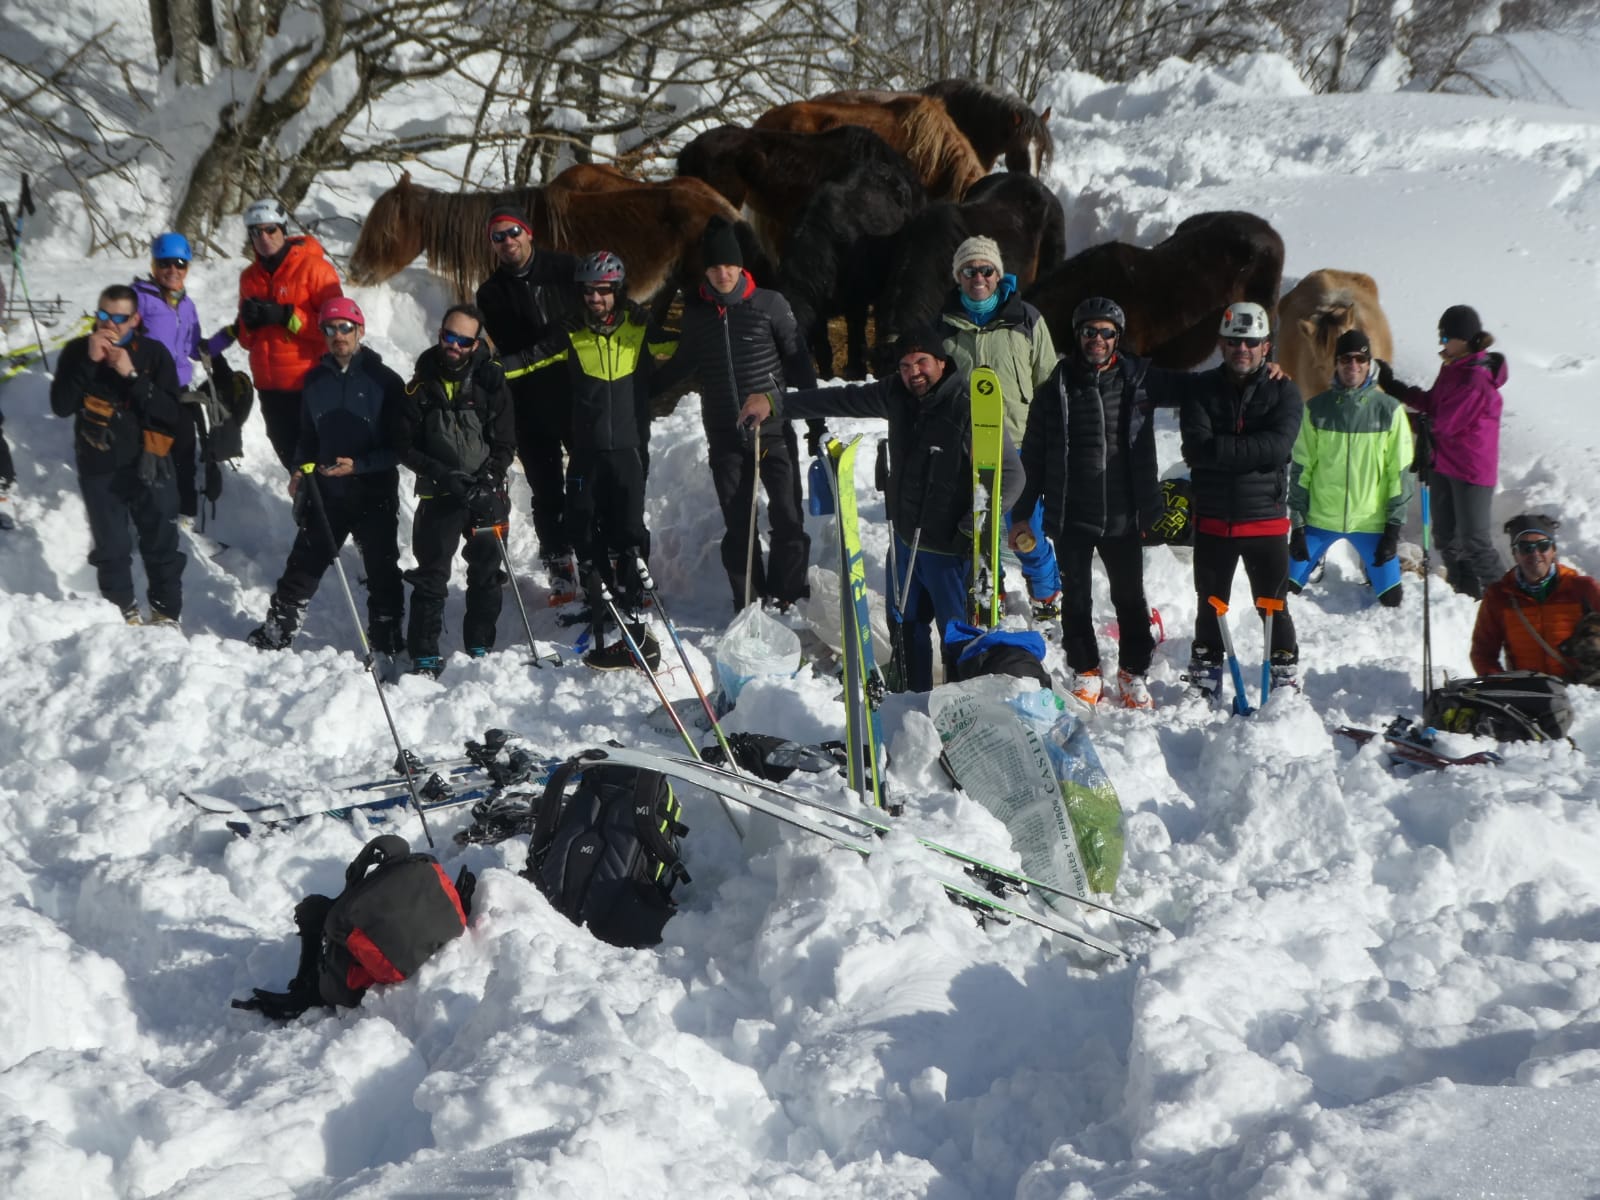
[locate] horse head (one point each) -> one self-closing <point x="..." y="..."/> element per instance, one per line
<point x="390" y="236"/>
<point x="1030" y="147"/>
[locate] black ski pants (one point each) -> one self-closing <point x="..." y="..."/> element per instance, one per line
<point x="544" y="419"/>
<point x="366" y="509"/>
<point x="1460" y="512"/>
<point x="1266" y="565"/>
<point x="280" y="412"/>
<point x="1123" y="558"/>
<point x="437" y="530"/>
<point x="605" y="510"/>
<point x="117" y="500"/>
<point x="8" y="470"/>
<point x="186" y="441"/>
<point x="783" y="576"/>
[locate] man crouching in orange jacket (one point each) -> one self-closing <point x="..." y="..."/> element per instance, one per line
<point x="1533" y="608"/>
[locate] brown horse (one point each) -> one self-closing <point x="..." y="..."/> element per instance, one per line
<point x="917" y="126"/>
<point x="772" y="174"/>
<point x="1174" y="292"/>
<point x="654" y="228"/>
<point x="1313" y="314"/>
<point x="993" y="123"/>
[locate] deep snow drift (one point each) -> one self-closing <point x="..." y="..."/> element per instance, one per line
<point x="1370" y="983"/>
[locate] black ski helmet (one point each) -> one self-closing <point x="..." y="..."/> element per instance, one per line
<point x="1098" y="308"/>
<point x="601" y="267"/>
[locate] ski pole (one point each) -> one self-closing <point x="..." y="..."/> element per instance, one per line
<point x="527" y="626"/>
<point x="1240" y="704"/>
<point x="1268" y="606"/>
<point x="1427" y="632"/>
<point x="14" y="238"/>
<point x="655" y="682"/>
<point x="404" y="759"/>
<point x="755" y="500"/>
<point x="916" y="539"/>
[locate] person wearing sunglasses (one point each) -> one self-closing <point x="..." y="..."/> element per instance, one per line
<point x="121" y="389"/>
<point x="280" y="294"/>
<point x="1238" y="425"/>
<point x="345" y="432"/>
<point x="1533" y="608"/>
<point x="454" y="428"/>
<point x="527" y="299"/>
<point x="1462" y="431"/>
<point x="1348" y="480"/>
<point x="991" y="325"/>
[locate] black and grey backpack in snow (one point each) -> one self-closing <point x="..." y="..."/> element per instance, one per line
<point x="1513" y="706"/>
<point x="607" y="854"/>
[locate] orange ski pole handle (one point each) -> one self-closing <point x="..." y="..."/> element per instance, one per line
<point x="1218" y="603"/>
<point x="1269" y="604"/>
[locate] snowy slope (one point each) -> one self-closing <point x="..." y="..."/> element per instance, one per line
<point x="1370" y="983"/>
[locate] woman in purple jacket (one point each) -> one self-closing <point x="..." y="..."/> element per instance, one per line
<point x="168" y="316"/>
<point x="1463" y="411"/>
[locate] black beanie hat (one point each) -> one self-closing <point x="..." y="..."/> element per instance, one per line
<point x="928" y="338"/>
<point x="719" y="244"/>
<point x="1352" y="341"/>
<point x="1460" y="321"/>
<point x="510" y="212"/>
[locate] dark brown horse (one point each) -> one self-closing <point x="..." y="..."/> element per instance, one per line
<point x="994" y="123"/>
<point x="917" y="126"/>
<point x="654" y="227"/>
<point x="1175" y="291"/>
<point x="772" y="174"/>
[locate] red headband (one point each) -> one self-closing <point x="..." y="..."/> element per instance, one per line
<point x="503" y="219"/>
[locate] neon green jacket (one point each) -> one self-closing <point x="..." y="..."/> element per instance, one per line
<point x="1348" y="471"/>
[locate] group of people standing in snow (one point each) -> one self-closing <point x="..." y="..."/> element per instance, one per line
<point x="555" y="366"/>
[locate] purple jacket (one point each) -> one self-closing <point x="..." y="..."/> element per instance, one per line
<point x="178" y="329"/>
<point x="1464" y="405"/>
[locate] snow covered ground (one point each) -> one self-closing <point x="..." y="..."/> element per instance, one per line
<point x="1370" y="982"/>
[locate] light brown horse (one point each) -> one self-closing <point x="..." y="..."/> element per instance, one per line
<point x="917" y="126"/>
<point x="994" y="123"/>
<point x="654" y="228"/>
<point x="1313" y="314"/>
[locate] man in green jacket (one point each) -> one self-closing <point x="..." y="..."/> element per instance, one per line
<point x="989" y="324"/>
<point x="1348" y="478"/>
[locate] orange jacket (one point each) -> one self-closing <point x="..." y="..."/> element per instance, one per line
<point x="281" y="355"/>
<point x="1500" y="624"/>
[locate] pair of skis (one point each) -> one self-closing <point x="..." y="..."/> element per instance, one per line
<point x="1269" y="606"/>
<point x="1408" y="743"/>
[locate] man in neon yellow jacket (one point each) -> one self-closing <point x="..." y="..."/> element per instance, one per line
<point x="1348" y="477"/>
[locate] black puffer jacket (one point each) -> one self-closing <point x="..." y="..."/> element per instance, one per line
<point x="521" y="307"/>
<point x="1237" y="440"/>
<point x="748" y="344"/>
<point x="926" y="489"/>
<point x="454" y="421"/>
<point x="147" y="401"/>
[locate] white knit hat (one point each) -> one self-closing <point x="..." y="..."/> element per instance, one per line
<point x="977" y="249"/>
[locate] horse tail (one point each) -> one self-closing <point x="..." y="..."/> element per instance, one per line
<point x="556" y="204"/>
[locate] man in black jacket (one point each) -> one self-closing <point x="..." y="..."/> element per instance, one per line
<point x="345" y="426"/>
<point x="454" y="428"/>
<point x="738" y="341"/>
<point x="928" y="407"/>
<point x="526" y="300"/>
<point x="1239" y="427"/>
<point x="122" y="390"/>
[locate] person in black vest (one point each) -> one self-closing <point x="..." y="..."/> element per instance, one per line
<point x="1239" y="425"/>
<point x="121" y="388"/>
<point x="526" y="300"/>
<point x="929" y="410"/>
<point x="739" y="341"/>
<point x="345" y="428"/>
<point x="454" y="428"/>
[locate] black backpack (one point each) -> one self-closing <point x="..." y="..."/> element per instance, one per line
<point x="773" y="758"/>
<point x="1516" y="706"/>
<point x="607" y="855"/>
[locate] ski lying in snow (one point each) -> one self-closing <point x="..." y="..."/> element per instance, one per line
<point x="1406" y="742"/>
<point x="985" y="889"/>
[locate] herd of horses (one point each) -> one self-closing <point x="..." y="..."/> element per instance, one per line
<point x="852" y="204"/>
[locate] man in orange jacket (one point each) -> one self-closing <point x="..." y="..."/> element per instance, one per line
<point x="1529" y="611"/>
<point x="280" y="295"/>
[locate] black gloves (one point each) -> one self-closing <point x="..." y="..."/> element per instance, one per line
<point x="816" y="434"/>
<point x="279" y="1006"/>
<point x="153" y="467"/>
<point x="458" y="484"/>
<point x="1297" y="544"/>
<point x="256" y="313"/>
<point x="1422" y="443"/>
<point x="484" y="500"/>
<point x="1386" y="378"/>
<point x="1388" y="545"/>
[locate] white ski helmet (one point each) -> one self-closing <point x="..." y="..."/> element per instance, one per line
<point x="266" y="212"/>
<point x="1245" y="319"/>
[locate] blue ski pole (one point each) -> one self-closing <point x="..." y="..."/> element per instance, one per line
<point x="1241" y="706"/>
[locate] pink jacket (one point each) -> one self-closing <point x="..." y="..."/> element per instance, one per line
<point x="1464" y="407"/>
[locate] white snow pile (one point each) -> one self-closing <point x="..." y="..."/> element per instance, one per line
<point x="1370" y="981"/>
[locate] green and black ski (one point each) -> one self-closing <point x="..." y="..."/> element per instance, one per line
<point x="988" y="447"/>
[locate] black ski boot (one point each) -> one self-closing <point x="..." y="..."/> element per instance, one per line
<point x="278" y="630"/>
<point x="1205" y="672"/>
<point x="617" y="656"/>
<point x="1285" y="670"/>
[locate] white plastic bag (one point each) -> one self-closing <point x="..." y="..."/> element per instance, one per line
<point x="755" y="645"/>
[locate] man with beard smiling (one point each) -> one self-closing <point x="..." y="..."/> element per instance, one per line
<point x="454" y="428"/>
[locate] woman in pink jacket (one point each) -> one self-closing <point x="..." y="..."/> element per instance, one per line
<point x="1463" y="412"/>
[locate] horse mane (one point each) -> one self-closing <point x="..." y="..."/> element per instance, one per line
<point x="957" y="94"/>
<point x="556" y="204"/>
<point x="939" y="150"/>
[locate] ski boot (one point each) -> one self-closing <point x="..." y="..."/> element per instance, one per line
<point x="1205" y="672"/>
<point x="1134" y="690"/>
<point x="132" y="615"/>
<point x="1285" y="670"/>
<point x="157" y="617"/>
<point x="617" y="656"/>
<point x="1046" y="611"/>
<point x="427" y="664"/>
<point x="562" y="571"/>
<point x="278" y="630"/>
<point x="1088" y="686"/>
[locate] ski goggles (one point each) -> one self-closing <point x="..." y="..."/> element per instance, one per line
<point x="263" y="230"/>
<point x="986" y="271"/>
<point x="446" y="338"/>
<point x="1533" y="546"/>
<point x="118" y="319"/>
<point x="342" y="328"/>
<point x="1252" y="343"/>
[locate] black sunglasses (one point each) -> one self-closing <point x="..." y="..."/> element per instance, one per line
<point x="597" y="289"/>
<point x="263" y="230"/>
<point x="181" y="263"/>
<point x="1251" y="342"/>
<point x="101" y="314"/>
<point x="1090" y="333"/>
<point x="986" y="271"/>
<point x="1355" y="358"/>
<point x="329" y="328"/>
<point x="1539" y="546"/>
<point x="506" y="235"/>
<point x="457" y="339"/>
